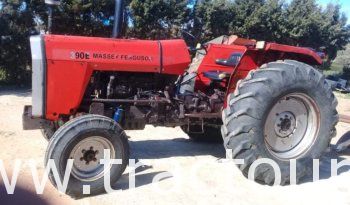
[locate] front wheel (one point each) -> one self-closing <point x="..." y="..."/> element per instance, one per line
<point x="282" y="111"/>
<point x="48" y="130"/>
<point x="84" y="140"/>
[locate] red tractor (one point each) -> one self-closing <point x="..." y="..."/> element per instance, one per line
<point x="265" y="100"/>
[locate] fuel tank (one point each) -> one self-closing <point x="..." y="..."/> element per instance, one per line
<point x="68" y="62"/>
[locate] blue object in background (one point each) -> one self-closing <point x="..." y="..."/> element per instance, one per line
<point x="106" y="22"/>
<point x="118" y="115"/>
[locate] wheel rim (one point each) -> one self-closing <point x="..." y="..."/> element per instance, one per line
<point x="87" y="155"/>
<point x="292" y="126"/>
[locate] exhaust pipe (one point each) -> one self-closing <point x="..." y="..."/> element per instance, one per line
<point x="118" y="18"/>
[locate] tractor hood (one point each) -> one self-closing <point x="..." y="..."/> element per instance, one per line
<point x="64" y="64"/>
<point x="167" y="57"/>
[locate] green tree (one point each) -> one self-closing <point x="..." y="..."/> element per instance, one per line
<point x="310" y="26"/>
<point x="259" y="19"/>
<point x="17" y="24"/>
<point x="157" y="19"/>
<point x="267" y="22"/>
<point x="304" y="18"/>
<point x="335" y="35"/>
<point x="213" y="18"/>
<point x="343" y="56"/>
<point x="244" y="11"/>
<point x="84" y="17"/>
<point x="21" y="18"/>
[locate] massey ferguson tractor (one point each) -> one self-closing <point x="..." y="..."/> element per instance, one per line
<point x="265" y="100"/>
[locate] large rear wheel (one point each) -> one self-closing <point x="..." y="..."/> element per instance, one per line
<point x="283" y="111"/>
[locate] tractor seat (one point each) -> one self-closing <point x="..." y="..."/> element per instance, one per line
<point x="232" y="61"/>
<point x="216" y="75"/>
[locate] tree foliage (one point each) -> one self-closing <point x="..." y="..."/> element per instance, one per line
<point x="157" y="19"/>
<point x="334" y="32"/>
<point x="83" y="17"/>
<point x="213" y="18"/>
<point x="16" y="24"/>
<point x="267" y="20"/>
<point x="295" y="22"/>
<point x="343" y="56"/>
<point x="246" y="14"/>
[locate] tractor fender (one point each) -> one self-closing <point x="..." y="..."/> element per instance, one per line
<point x="254" y="58"/>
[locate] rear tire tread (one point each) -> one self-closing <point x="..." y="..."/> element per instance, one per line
<point x="241" y="122"/>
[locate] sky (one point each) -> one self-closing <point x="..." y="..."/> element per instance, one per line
<point x="345" y="5"/>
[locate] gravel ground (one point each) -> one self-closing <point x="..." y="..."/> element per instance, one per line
<point x="198" y="176"/>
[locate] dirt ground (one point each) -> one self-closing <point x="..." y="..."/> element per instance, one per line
<point x="198" y="176"/>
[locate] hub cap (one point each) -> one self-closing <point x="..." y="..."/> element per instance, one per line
<point x="87" y="154"/>
<point x="292" y="126"/>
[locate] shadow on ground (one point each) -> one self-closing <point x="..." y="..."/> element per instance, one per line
<point x="343" y="144"/>
<point x="20" y="196"/>
<point x="179" y="147"/>
<point x="19" y="92"/>
<point x="141" y="179"/>
<point x="325" y="167"/>
<point x="160" y="149"/>
<point x="325" y="171"/>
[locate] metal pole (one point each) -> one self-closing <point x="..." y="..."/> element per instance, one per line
<point x="118" y="18"/>
<point x="49" y="26"/>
